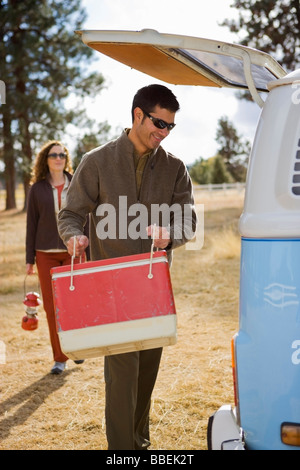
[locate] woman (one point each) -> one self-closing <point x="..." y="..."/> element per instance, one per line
<point x="52" y="173"/>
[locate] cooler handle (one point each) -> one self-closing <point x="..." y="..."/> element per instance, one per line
<point x="150" y="275"/>
<point x="72" y="287"/>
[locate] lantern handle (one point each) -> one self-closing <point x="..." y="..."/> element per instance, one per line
<point x="38" y="283"/>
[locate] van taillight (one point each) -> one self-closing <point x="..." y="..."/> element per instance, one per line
<point x="290" y="434"/>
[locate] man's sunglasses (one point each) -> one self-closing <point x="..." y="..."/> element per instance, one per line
<point x="55" y="155"/>
<point x="159" y="123"/>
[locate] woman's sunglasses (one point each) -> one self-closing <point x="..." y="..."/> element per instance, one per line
<point x="55" y="155"/>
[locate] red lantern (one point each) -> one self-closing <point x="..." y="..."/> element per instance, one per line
<point x="31" y="302"/>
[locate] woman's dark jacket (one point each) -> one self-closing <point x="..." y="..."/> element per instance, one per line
<point x="41" y="232"/>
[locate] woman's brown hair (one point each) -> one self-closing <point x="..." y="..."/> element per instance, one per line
<point x="40" y="168"/>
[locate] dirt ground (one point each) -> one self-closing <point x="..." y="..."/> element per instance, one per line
<point x="39" y="411"/>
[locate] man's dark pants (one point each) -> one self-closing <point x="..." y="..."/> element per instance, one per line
<point x="130" y="379"/>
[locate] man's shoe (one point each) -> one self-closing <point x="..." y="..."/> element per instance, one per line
<point x="81" y="361"/>
<point x="58" y="368"/>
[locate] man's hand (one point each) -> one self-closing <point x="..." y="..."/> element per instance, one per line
<point x="160" y="235"/>
<point x="81" y="243"/>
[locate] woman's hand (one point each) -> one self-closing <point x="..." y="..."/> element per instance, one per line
<point x="30" y="269"/>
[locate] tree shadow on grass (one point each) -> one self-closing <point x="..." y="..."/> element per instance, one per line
<point x="31" y="398"/>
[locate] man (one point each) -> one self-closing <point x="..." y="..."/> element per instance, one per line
<point x="133" y="171"/>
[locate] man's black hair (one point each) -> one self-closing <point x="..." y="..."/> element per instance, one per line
<point x="154" y="95"/>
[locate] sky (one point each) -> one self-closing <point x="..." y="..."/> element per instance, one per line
<point x="200" y="107"/>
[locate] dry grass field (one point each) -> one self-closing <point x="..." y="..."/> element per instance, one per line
<point x="39" y="411"/>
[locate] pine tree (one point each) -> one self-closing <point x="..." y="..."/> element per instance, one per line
<point x="233" y="149"/>
<point x="271" y="26"/>
<point x="219" y="173"/>
<point x="42" y="61"/>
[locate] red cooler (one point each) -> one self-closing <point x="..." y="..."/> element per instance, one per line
<point x="114" y="306"/>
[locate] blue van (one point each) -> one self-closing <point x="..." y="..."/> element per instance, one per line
<point x="266" y="349"/>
